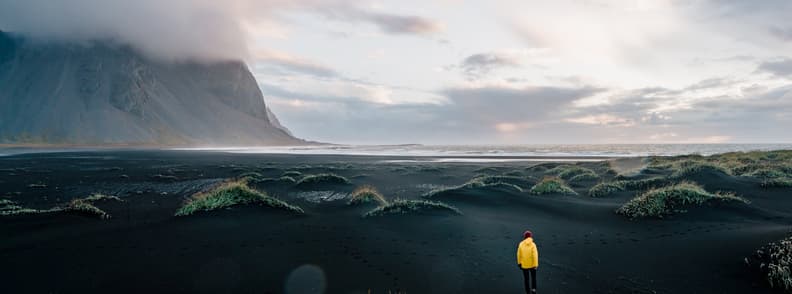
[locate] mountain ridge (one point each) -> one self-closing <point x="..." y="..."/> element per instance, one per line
<point x="100" y="93"/>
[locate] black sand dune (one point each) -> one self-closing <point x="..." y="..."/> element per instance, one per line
<point x="584" y="246"/>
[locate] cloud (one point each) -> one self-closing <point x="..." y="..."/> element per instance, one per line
<point x="165" y="29"/>
<point x="603" y="120"/>
<point x="294" y="64"/>
<point x="748" y="114"/>
<point x="388" y="23"/>
<point x="783" y="33"/>
<point x="477" y="65"/>
<point x="504" y="104"/>
<point x="483" y="111"/>
<point x="183" y="29"/>
<point x="400" y="24"/>
<point x="710" y="84"/>
<point x="778" y="67"/>
<point x="343" y="90"/>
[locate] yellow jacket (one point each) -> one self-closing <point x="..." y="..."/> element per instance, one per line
<point x="527" y="255"/>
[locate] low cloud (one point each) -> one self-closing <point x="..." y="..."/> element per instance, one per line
<point x="294" y="64"/>
<point x="778" y="67"/>
<point x="603" y="120"/>
<point x="184" y="29"/>
<point x="401" y="24"/>
<point x="388" y="23"/>
<point x="477" y="65"/>
<point x="504" y="104"/>
<point x="783" y="33"/>
<point x="482" y="112"/>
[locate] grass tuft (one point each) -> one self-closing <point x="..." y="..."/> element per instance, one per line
<point x="568" y="172"/>
<point x="688" y="168"/>
<point x="292" y="174"/>
<point x="767" y="173"/>
<point x="253" y="176"/>
<point x="773" y="261"/>
<point x="518" y="182"/>
<point x="10" y="208"/>
<point x="552" y="185"/>
<point x="367" y="194"/>
<point x="232" y="194"/>
<point x="102" y="197"/>
<point x="281" y="180"/>
<point x="86" y="207"/>
<point x="777" y="183"/>
<point x="584" y="177"/>
<point x="761" y="164"/>
<point x="501" y="183"/>
<point x="323" y="179"/>
<point x="671" y="199"/>
<point x="413" y="207"/>
<point x="606" y="188"/>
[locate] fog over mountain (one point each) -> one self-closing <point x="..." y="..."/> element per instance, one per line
<point x="102" y="92"/>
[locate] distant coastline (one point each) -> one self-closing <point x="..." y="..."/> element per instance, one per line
<point x="437" y="153"/>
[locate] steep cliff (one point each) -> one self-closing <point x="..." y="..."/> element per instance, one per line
<point x="102" y="93"/>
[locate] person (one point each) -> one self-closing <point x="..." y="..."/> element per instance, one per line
<point x="528" y="261"/>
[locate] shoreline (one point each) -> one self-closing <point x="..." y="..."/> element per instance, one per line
<point x="440" y="154"/>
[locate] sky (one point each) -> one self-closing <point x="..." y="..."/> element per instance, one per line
<point x="474" y="72"/>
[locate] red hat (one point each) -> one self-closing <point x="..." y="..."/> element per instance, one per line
<point x="527" y="234"/>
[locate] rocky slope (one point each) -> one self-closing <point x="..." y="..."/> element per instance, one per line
<point x="102" y="93"/>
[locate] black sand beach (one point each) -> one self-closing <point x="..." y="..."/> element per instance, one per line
<point x="584" y="246"/>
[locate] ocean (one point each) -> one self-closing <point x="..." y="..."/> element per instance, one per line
<point x="509" y="151"/>
<point x="465" y="153"/>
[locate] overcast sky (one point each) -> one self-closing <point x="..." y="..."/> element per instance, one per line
<point x="481" y="72"/>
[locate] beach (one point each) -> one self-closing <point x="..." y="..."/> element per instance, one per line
<point x="584" y="245"/>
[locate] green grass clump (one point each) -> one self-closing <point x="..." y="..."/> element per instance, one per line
<point x="232" y="194"/>
<point x="281" y="180"/>
<point x="762" y="164"/>
<point x="9" y="208"/>
<point x="497" y="183"/>
<point x="646" y="184"/>
<point x="767" y="173"/>
<point x="586" y="176"/>
<point x="254" y="176"/>
<point x="413" y="207"/>
<point x="774" y="261"/>
<point x="552" y="185"/>
<point x="567" y="172"/>
<point x="102" y="197"/>
<point x="671" y="199"/>
<point x="606" y="188"/>
<point x="519" y="182"/>
<point x="688" y="168"/>
<point x="777" y="183"/>
<point x="323" y="179"/>
<point x="292" y="173"/>
<point x="86" y="207"/>
<point x="367" y="194"/>
<point x="487" y="170"/>
<point x="542" y="167"/>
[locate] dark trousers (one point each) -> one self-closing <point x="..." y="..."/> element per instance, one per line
<point x="529" y="274"/>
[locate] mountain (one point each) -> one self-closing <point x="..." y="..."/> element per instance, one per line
<point x="102" y="93"/>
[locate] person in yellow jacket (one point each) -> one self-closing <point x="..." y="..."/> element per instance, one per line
<point x="528" y="261"/>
